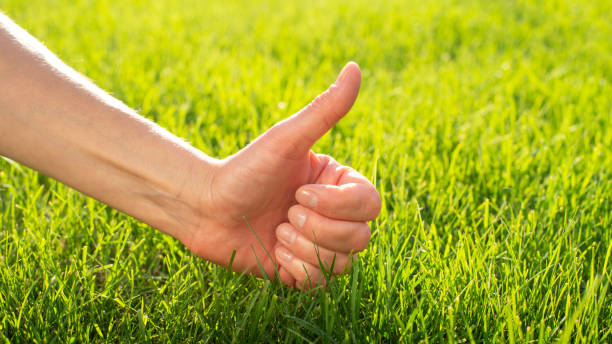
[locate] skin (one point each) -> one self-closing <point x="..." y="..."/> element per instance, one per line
<point x="305" y="209"/>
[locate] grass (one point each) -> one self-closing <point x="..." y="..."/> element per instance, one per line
<point x="486" y="127"/>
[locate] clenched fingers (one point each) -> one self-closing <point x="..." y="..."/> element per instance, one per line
<point x="350" y="202"/>
<point x="310" y="252"/>
<point x="335" y="235"/>
<point x="306" y="275"/>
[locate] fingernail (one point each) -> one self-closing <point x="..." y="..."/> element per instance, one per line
<point x="307" y="198"/>
<point x="342" y="74"/>
<point x="283" y="255"/>
<point x="286" y="235"/>
<point x="300" y="219"/>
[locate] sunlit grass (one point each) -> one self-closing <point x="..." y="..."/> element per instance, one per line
<point x="486" y="126"/>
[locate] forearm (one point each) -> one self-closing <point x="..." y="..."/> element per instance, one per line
<point x="55" y="121"/>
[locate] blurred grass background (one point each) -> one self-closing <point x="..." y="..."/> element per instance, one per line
<point x="484" y="124"/>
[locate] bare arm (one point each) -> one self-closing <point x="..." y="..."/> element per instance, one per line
<point x="56" y="121"/>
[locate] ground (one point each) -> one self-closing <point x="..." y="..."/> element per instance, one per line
<point x="486" y="126"/>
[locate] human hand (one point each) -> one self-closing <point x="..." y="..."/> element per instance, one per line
<point x="304" y="208"/>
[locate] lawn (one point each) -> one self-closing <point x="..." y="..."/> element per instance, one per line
<point x="485" y="125"/>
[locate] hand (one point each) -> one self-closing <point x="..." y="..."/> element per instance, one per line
<point x="304" y="208"/>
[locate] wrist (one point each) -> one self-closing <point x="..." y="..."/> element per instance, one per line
<point x="186" y="198"/>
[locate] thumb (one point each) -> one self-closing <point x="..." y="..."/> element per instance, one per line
<point x="300" y="131"/>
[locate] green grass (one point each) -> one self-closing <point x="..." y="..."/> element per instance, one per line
<point x="486" y="127"/>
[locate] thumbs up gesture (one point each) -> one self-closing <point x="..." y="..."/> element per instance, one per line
<point x="279" y="205"/>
